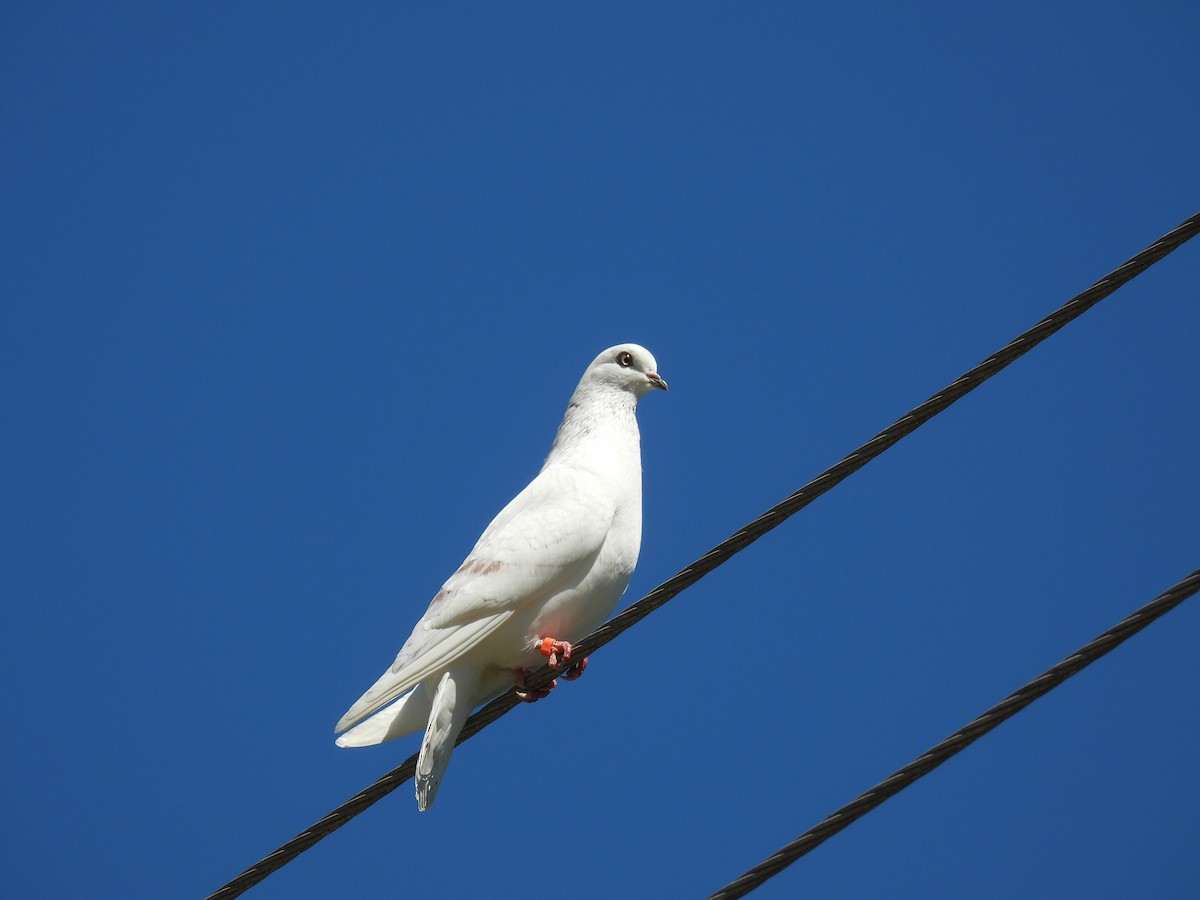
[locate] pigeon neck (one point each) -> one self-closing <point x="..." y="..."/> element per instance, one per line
<point x="598" y="429"/>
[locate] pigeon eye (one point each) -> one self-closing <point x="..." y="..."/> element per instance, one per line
<point x="624" y="359"/>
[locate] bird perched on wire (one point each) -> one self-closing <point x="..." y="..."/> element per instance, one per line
<point x="548" y="570"/>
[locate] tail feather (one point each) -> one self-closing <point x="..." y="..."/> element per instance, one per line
<point x="452" y="704"/>
<point x="407" y="715"/>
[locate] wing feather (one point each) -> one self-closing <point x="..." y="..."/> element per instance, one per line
<point x="545" y="540"/>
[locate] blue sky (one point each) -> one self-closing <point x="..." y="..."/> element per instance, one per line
<point x="295" y="297"/>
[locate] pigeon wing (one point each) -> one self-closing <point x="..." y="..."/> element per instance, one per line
<point x="544" y="541"/>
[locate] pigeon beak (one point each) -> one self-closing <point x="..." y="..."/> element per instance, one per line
<point x="656" y="380"/>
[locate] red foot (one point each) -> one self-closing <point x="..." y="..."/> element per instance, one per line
<point x="532" y="695"/>
<point x="558" y="654"/>
<point x="575" y="670"/>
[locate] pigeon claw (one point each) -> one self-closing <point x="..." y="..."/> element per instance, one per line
<point x="557" y="653"/>
<point x="575" y="669"/>
<point x="532" y="695"/>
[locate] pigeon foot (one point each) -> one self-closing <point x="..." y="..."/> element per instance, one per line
<point x="558" y="654"/>
<point x="532" y="695"/>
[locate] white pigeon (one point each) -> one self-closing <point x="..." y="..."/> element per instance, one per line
<point x="548" y="570"/>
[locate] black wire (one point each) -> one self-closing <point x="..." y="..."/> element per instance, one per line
<point x="960" y="740"/>
<point x="743" y="538"/>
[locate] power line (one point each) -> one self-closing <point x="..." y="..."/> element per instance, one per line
<point x="961" y="739"/>
<point x="743" y="538"/>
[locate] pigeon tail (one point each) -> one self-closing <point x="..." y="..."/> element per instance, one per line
<point x="452" y="703"/>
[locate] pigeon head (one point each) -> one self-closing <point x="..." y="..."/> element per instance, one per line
<point x="627" y="367"/>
